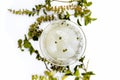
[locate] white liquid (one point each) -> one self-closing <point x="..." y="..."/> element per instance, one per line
<point x="62" y="42"/>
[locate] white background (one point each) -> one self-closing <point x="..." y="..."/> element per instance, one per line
<point x="103" y="41"/>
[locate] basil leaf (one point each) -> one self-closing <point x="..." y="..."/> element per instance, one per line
<point x="89" y="3"/>
<point x="20" y="43"/>
<point x="82" y="59"/>
<point x="77" y="78"/>
<point x="77" y="73"/>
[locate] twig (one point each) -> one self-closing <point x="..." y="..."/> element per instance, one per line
<point x="47" y="67"/>
<point x="84" y="68"/>
<point x="87" y="64"/>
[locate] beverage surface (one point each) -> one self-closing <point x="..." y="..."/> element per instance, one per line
<point x="61" y="41"/>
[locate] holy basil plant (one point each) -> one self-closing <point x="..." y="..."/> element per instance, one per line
<point x="82" y="14"/>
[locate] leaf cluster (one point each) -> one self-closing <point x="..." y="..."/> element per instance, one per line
<point x="34" y="32"/>
<point x="48" y="75"/>
<point x="26" y="44"/>
<point x="81" y="10"/>
<point x="80" y="72"/>
<point x="62" y="12"/>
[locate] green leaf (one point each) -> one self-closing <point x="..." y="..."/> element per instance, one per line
<point x="20" y="43"/>
<point x="38" y="57"/>
<point x="36" y="51"/>
<point x="86" y="21"/>
<point x="89" y="3"/>
<point x="35" y="38"/>
<point x="51" y="78"/>
<point x="88" y="73"/>
<point x="64" y="50"/>
<point x="37" y="7"/>
<point x="79" y="3"/>
<point x="64" y="77"/>
<point x="43" y="78"/>
<point x="47" y="73"/>
<point x="77" y="73"/>
<point x="68" y="72"/>
<point x="77" y="78"/>
<point x="60" y="16"/>
<point x="86" y="76"/>
<point x="81" y="66"/>
<point x="31" y="50"/>
<point x="87" y="12"/>
<point x="34" y="77"/>
<point x="75" y="13"/>
<point x="75" y="68"/>
<point x="67" y="15"/>
<point x="93" y="19"/>
<point x="84" y="1"/>
<point x="30" y="34"/>
<point x="78" y="22"/>
<point x="48" y="2"/>
<point x="26" y="43"/>
<point x="44" y="12"/>
<point x="82" y="59"/>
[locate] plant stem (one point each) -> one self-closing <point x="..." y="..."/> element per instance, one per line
<point x="84" y="68"/>
<point x="87" y="64"/>
<point x="47" y="67"/>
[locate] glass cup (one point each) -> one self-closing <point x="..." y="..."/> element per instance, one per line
<point x="62" y="42"/>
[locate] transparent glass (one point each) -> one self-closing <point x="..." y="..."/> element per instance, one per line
<point x="62" y="42"/>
